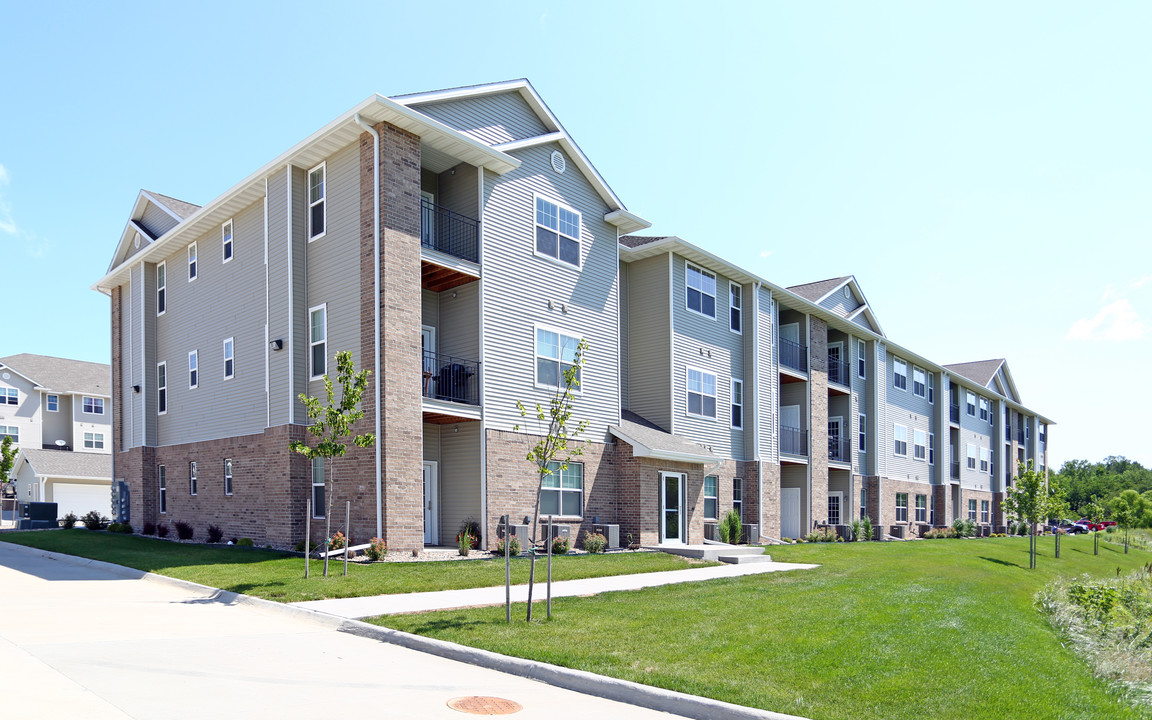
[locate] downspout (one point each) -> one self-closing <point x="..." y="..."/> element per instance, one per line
<point x="376" y="302"/>
<point x="754" y="334"/>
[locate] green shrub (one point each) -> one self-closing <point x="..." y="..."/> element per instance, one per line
<point x="376" y="549"/>
<point x="470" y="528"/>
<point x="123" y="528"/>
<point x="513" y="546"/>
<point x="820" y="536"/>
<point x="245" y="542"/>
<point x="731" y="529"/>
<point x="964" y="527"/>
<point x="312" y="545"/>
<point x="94" y="520"/>
<point x="938" y="533"/>
<point x="560" y="546"/>
<point x="70" y="521"/>
<point x="866" y="530"/>
<point x="465" y="541"/>
<point x="595" y="542"/>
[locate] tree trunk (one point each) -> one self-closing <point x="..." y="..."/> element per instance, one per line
<point x="1096" y="543"/>
<point x="532" y="543"/>
<point x="328" y="513"/>
<point x="1057" y="536"/>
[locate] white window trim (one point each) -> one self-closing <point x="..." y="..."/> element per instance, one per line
<point x="895" y="374"/>
<point x="862" y="359"/>
<point x="862" y="433"/>
<point x="931" y="448"/>
<point x="707" y="497"/>
<point x="923" y="372"/>
<point x="904" y="508"/>
<point x="915" y="434"/>
<point x="931" y="388"/>
<point x="971" y="454"/>
<point x="691" y="265"/>
<point x="162" y="489"/>
<point x="918" y="508"/>
<point x="48" y="402"/>
<point x="224" y="349"/>
<point x="561" y="490"/>
<point x="161" y="288"/>
<point x="973" y="404"/>
<point x="739" y="294"/>
<point x="733" y="382"/>
<point x="228" y="476"/>
<point x="715" y="382"/>
<point x="311" y="343"/>
<point x="193" y="366"/>
<point x="227" y="239"/>
<point x="896" y="439"/>
<point x="162" y="390"/>
<point x="84" y="404"/>
<point x="93" y="438"/>
<point x="193" y="262"/>
<point x="578" y="390"/>
<point x="193" y="480"/>
<point x="579" y="240"/>
<point x="839" y="495"/>
<point x="312" y="489"/>
<point x="323" y="199"/>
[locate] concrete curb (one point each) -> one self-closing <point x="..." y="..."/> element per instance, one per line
<point x="625" y="691"/>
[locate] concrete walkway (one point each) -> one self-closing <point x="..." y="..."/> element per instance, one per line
<point x="362" y="607"/>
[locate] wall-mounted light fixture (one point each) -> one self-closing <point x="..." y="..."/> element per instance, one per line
<point x="136" y="389"/>
<point x="276" y="344"/>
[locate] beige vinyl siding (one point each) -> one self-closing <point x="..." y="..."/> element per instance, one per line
<point x="459" y="477"/>
<point x="518" y="286"/>
<point x="458" y="190"/>
<point x="79" y="422"/>
<point x="58" y="425"/>
<point x="280" y="393"/>
<point x="432" y="442"/>
<point x="429" y="308"/>
<point x="299" y="327"/>
<point x="149" y="358"/>
<point x="156" y="220"/>
<point x="709" y="345"/>
<point x="333" y="265"/>
<point x="768" y="380"/>
<point x="491" y="119"/>
<point x="839" y="304"/>
<point x="625" y="340"/>
<point x="649" y="352"/>
<point x="224" y="301"/>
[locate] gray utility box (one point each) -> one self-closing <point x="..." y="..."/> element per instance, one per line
<point x="38" y="516"/>
<point x="562" y="531"/>
<point x="518" y="531"/>
<point x="751" y="533"/>
<point x="611" y="533"/>
<point x="712" y="531"/>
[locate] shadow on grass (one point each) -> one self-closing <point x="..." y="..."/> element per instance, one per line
<point x="998" y="561"/>
<point x="433" y="626"/>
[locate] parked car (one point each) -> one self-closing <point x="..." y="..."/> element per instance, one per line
<point x="1092" y="527"/>
<point x="1068" y="527"/>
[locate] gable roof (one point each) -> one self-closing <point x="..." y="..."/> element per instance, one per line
<point x="985" y="372"/>
<point x="650" y="440"/>
<point x="179" y="208"/>
<point x="63" y="375"/>
<point x="817" y="291"/>
<point x="635" y="241"/>
<point x="64" y="464"/>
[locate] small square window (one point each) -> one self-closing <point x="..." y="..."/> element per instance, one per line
<point x="94" y="405"/>
<point x="53" y="403"/>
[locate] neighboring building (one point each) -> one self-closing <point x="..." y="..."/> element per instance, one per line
<point x="59" y="414"/>
<point x="459" y="244"/>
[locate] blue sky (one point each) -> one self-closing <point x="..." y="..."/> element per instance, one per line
<point x="982" y="168"/>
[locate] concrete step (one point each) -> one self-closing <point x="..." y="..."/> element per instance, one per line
<point x="744" y="559"/>
<point x="709" y="552"/>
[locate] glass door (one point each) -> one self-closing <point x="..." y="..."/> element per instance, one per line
<point x="671" y="503"/>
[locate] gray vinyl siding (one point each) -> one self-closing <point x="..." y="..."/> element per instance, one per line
<point x="58" y="425"/>
<point x="706" y="344"/>
<point x="862" y="321"/>
<point x="458" y="332"/>
<point x="459" y="477"/>
<point x="977" y="432"/>
<point x="430" y="308"/>
<point x="913" y="412"/>
<point x="80" y="422"/>
<point x="156" y="220"/>
<point x="333" y="265"/>
<point x="625" y="340"/>
<point x="432" y="442"/>
<point x="518" y="286"/>
<point x="491" y="119"/>
<point x="280" y="392"/>
<point x="768" y="383"/>
<point x="298" y="344"/>
<point x="27" y="416"/>
<point x="796" y="394"/>
<point x="458" y="190"/>
<point x="150" y="357"/>
<point x="649" y="354"/>
<point x="859" y="387"/>
<point x="839" y="304"/>
<point x="226" y="300"/>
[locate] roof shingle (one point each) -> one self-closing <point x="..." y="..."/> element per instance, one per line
<point x="61" y="463"/>
<point x="63" y="375"/>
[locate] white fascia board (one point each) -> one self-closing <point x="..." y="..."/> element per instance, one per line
<point x="35" y="385"/>
<point x="422" y="98"/>
<point x="828" y="294"/>
<point x="529" y="142"/>
<point x="626" y="222"/>
<point x="639" y="449"/>
<point x="158" y="203"/>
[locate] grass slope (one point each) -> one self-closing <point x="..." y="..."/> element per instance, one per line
<point x="279" y="576"/>
<point x="932" y="629"/>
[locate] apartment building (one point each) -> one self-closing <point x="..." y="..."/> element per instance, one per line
<point x="460" y="245"/>
<point x="58" y="413"/>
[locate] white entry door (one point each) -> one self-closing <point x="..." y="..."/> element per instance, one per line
<point x="790" y="512"/>
<point x="431" y="505"/>
<point x="672" y="508"/>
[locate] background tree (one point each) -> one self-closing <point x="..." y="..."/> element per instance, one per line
<point x="333" y="424"/>
<point x="1056" y="507"/>
<point x="1129" y="509"/>
<point x="1094" y="512"/>
<point x="7" y="457"/>
<point x="551" y="453"/>
<point x="1027" y="499"/>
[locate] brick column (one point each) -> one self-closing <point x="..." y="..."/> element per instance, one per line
<point x="818" y="419"/>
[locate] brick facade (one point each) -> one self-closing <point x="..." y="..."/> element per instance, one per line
<point x="818" y="421"/>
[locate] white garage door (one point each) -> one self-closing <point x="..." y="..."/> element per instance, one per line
<point x="79" y="499"/>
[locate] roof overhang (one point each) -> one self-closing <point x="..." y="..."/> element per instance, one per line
<point x="639" y="449"/>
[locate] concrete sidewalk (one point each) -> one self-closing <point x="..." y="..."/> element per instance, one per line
<point x="362" y="607"/>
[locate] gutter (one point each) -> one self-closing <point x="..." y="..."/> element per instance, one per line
<point x="376" y="297"/>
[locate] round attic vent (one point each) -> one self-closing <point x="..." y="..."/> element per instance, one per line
<point x="136" y="242"/>
<point x="558" y="163"/>
<point x="6" y="376"/>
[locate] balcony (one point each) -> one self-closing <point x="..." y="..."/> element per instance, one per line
<point x="955" y="469"/>
<point x="1020" y="436"/>
<point x="793" y="355"/>
<point x="954" y="413"/>
<point x="451" y="379"/>
<point x="793" y="441"/>
<point x="449" y="232"/>
<point x="839" y="450"/>
<point x="837" y="371"/>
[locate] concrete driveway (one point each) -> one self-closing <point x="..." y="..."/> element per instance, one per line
<point x="82" y="641"/>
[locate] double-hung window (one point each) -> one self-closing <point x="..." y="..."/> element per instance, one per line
<point x="984" y="518"/>
<point x="900" y="433"/>
<point x="53" y="403"/>
<point x="193" y="370"/>
<point x="318" y="340"/>
<point x="971" y="456"/>
<point x="931" y="389"/>
<point x="900" y="374"/>
<point x="931" y="448"/>
<point x="919" y="442"/>
<point x="227" y="476"/>
<point x="10" y="396"/>
<point x="555" y="355"/>
<point x="971" y="509"/>
<point x="932" y="510"/>
<point x="557" y="232"/>
<point x="861" y="358"/>
<point x="161" y="388"/>
<point x="94" y="405"/>
<point x="318" y="506"/>
<point x="316" y="202"/>
<point x="862" y="433"/>
<point x="700" y="288"/>
<point x="12" y="431"/>
<point x="162" y="485"/>
<point x="901" y="507"/>
<point x="919" y="382"/>
<point x="93" y="441"/>
<point x="863" y="503"/>
<point x="736" y="304"/>
<point x="711" y="497"/>
<point x="701" y="393"/>
<point x="562" y="491"/>
<point x="921" y="508"/>
<point x="226" y="236"/>
<point x="984" y="413"/>
<point x="161" y="289"/>
<point x="192" y="478"/>
<point x="229" y="358"/>
<point x="985" y="459"/>
<point x="971" y="402"/>
<point x="191" y="262"/>
<point x="738" y="497"/>
<point x="737" y="403"/>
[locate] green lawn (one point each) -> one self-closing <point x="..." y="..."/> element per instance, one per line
<point x="931" y="629"/>
<point x="280" y="576"/>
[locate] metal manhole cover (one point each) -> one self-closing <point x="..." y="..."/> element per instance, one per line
<point x="483" y="705"/>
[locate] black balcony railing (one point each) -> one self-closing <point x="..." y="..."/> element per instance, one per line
<point x="954" y="413"/>
<point x="793" y="441"/>
<point x="955" y="469"/>
<point x="451" y="378"/>
<point x="793" y="355"/>
<point x="449" y="232"/>
<point x="1020" y="436"/>
<point x="839" y="450"/>
<point x="837" y="371"/>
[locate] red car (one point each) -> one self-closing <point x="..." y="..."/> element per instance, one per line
<point x="1096" y="527"/>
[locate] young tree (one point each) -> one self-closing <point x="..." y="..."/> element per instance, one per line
<point x="1027" y="500"/>
<point x="1056" y="506"/>
<point x="551" y="453"/>
<point x="1094" y="511"/>
<point x="333" y="424"/>
<point x="1129" y="509"/>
